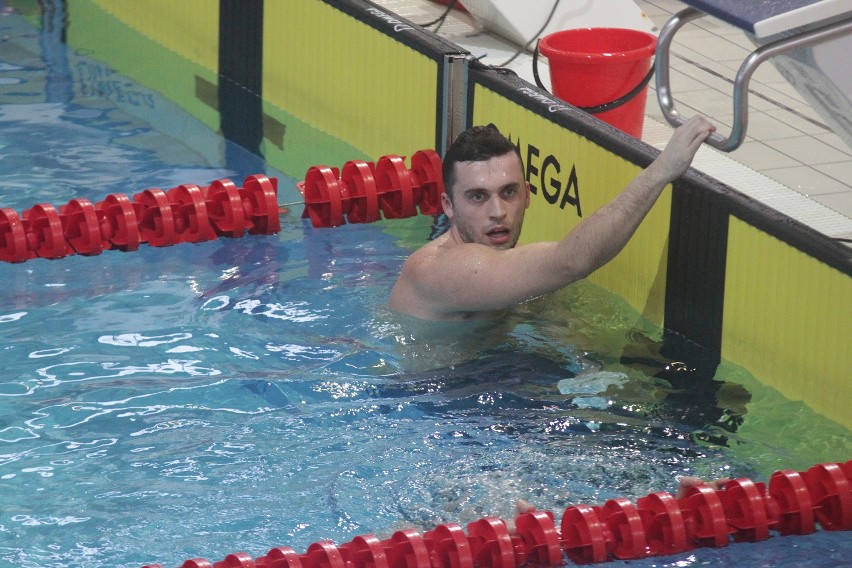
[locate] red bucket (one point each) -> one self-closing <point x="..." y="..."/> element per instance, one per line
<point x="594" y="66"/>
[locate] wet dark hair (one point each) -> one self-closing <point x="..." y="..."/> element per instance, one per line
<point x="476" y="144"/>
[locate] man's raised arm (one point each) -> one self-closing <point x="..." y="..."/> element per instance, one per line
<point x="462" y="274"/>
<point x="602" y="235"/>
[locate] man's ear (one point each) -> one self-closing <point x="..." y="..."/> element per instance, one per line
<point x="447" y="204"/>
<point x="527" y="187"/>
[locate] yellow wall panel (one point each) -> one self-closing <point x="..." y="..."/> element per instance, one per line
<point x="165" y="21"/>
<point x="106" y="37"/>
<point x="348" y="79"/>
<point x="788" y="319"/>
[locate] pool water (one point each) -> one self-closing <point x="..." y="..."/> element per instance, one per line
<point x="239" y="394"/>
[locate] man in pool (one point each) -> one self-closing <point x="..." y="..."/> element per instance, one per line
<point x="474" y="270"/>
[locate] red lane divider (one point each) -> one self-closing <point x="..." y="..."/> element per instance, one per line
<point x="45" y="237"/>
<point x="585" y="538"/>
<point x="491" y="544"/>
<point x="829" y="486"/>
<point x="625" y="523"/>
<point x="665" y="527"/>
<point x="656" y="525"/>
<point x="449" y="546"/>
<point x="795" y="506"/>
<point x="540" y="538"/>
<point x="119" y="223"/>
<point x="362" y="191"/>
<point x="184" y="214"/>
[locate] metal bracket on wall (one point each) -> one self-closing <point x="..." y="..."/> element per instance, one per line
<point x="454" y="119"/>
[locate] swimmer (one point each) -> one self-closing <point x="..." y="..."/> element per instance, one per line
<point x="475" y="269"/>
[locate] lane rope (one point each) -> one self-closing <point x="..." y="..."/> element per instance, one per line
<point x="793" y="503"/>
<point x="360" y="192"/>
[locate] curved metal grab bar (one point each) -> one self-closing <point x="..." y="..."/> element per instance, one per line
<point x="743" y="77"/>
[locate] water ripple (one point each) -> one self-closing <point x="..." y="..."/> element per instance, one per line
<point x="9" y="434"/>
<point x="139" y="340"/>
<point x="12" y="317"/>
<point x="299" y="312"/>
<point x="50" y="352"/>
<point x="33" y="521"/>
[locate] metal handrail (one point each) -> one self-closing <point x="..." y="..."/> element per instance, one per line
<point x="743" y="77"/>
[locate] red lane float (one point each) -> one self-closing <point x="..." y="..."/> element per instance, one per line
<point x="705" y="517"/>
<point x="45" y="237"/>
<point x="657" y="525"/>
<point x="362" y="191"/>
<point x="119" y="223"/>
<point x="663" y="520"/>
<point x="184" y="214"/>
<point x="585" y="538"/>
<point x="449" y="546"/>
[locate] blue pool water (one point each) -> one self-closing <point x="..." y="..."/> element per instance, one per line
<point x="240" y="394"/>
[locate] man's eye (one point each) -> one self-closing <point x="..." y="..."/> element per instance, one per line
<point x="509" y="192"/>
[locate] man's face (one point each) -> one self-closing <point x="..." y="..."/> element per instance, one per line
<point x="489" y="201"/>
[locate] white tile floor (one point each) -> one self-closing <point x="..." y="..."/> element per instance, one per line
<point x="790" y="160"/>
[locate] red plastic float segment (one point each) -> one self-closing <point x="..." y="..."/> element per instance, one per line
<point x="118" y="221"/>
<point x="395" y="187"/>
<point x="585" y="537"/>
<point x="357" y="176"/>
<point x="519" y="550"/>
<point x="705" y="517"/>
<point x="491" y="544"/>
<point x="324" y="197"/>
<point x="323" y="554"/>
<point x="796" y="509"/>
<point x="155" y="217"/>
<point x="364" y="190"/>
<point x="225" y="209"/>
<point x="449" y="547"/>
<point x="236" y="560"/>
<point x="189" y="209"/>
<point x="407" y="549"/>
<point x="749" y="514"/>
<point x="260" y="201"/>
<point x="832" y="496"/>
<point x="537" y="531"/>
<point x="365" y="551"/>
<point x="428" y="177"/>
<point x="45" y="235"/>
<point x="665" y="529"/>
<point x="81" y="227"/>
<point x="197" y="563"/>
<point x="13" y="238"/>
<point x="279" y="557"/>
<point x="622" y="518"/>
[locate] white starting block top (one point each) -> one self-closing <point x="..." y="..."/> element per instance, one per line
<point x="764" y="18"/>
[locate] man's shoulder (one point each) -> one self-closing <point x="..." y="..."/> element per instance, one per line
<point x="419" y="275"/>
<point x="429" y="252"/>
